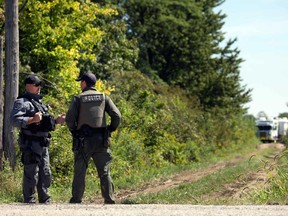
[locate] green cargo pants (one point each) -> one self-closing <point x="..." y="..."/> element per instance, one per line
<point x="102" y="158"/>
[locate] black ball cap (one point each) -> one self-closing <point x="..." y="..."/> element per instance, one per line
<point x="88" y="77"/>
<point x="33" y="79"/>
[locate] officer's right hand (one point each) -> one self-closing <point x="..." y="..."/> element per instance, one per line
<point x="36" y="118"/>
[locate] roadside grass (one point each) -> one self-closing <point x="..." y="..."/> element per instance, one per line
<point x="10" y="185"/>
<point x="136" y="179"/>
<point x="206" y="191"/>
<point x="139" y="178"/>
<point x="199" y="192"/>
<point x="11" y="182"/>
<point x="276" y="191"/>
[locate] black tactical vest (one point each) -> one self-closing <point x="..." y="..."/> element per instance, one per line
<point x="47" y="123"/>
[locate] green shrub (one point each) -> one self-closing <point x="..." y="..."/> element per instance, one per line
<point x="10" y="184"/>
<point x="161" y="128"/>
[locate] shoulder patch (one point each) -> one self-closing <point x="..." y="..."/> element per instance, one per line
<point x="92" y="98"/>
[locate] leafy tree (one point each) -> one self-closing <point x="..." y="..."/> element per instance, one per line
<point x="115" y="52"/>
<point x="180" y="43"/>
<point x="283" y="115"/>
<point x="56" y="36"/>
<point x="161" y="126"/>
<point x="250" y="117"/>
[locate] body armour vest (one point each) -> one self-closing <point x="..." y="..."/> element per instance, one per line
<point x="47" y="123"/>
<point x="92" y="110"/>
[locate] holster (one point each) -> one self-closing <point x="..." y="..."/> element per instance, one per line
<point x="29" y="157"/>
<point x="86" y="132"/>
<point x="78" y="142"/>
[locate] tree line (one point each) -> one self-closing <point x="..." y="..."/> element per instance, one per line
<point x="176" y="43"/>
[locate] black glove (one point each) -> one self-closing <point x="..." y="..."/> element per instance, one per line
<point x="107" y="138"/>
<point x="110" y="128"/>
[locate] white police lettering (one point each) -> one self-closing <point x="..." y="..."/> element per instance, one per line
<point x="91" y="98"/>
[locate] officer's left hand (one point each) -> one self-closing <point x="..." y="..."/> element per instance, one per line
<point x="61" y="119"/>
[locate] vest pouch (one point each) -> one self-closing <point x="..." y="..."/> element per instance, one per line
<point x="48" y="122"/>
<point x="46" y="141"/>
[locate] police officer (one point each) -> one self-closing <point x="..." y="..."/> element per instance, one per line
<point x="32" y="117"/>
<point x="87" y="122"/>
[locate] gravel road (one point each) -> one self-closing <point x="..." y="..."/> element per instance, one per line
<point x="143" y="210"/>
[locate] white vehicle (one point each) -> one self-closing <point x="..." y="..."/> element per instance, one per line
<point x="271" y="130"/>
<point x="282" y="127"/>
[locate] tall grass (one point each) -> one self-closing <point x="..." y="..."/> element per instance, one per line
<point x="11" y="181"/>
<point x="10" y="184"/>
<point x="211" y="189"/>
<point x="276" y="190"/>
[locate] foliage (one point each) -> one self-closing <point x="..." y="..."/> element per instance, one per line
<point x="180" y="42"/>
<point x="10" y="184"/>
<point x="197" y="110"/>
<point x="157" y="131"/>
<point x="115" y="52"/>
<point x="283" y="115"/>
<point x="284" y="140"/>
<point x="157" y="124"/>
<point x="250" y="117"/>
<point x="202" y="191"/>
<point x="56" y="35"/>
<point x="277" y="187"/>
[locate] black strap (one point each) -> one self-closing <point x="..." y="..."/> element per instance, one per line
<point x="38" y="106"/>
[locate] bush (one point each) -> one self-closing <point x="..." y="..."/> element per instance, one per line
<point x="160" y="128"/>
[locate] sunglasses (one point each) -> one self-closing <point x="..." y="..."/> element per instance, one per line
<point x="37" y="85"/>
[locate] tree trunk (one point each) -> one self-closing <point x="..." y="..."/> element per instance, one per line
<point x="11" y="76"/>
<point x="1" y="102"/>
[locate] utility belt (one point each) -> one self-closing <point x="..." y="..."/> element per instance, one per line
<point x="86" y="132"/>
<point x="25" y="140"/>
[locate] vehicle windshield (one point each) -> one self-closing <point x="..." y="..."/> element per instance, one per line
<point x="264" y="127"/>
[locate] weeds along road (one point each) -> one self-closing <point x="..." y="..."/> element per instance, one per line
<point x="231" y="192"/>
<point x="140" y="210"/>
<point x="95" y="208"/>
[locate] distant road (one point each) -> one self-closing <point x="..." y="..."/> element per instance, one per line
<point x="141" y="210"/>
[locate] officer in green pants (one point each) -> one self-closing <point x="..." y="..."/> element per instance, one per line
<point x="86" y="119"/>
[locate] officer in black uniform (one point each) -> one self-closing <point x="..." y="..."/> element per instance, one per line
<point x="87" y="122"/>
<point x="32" y="117"/>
